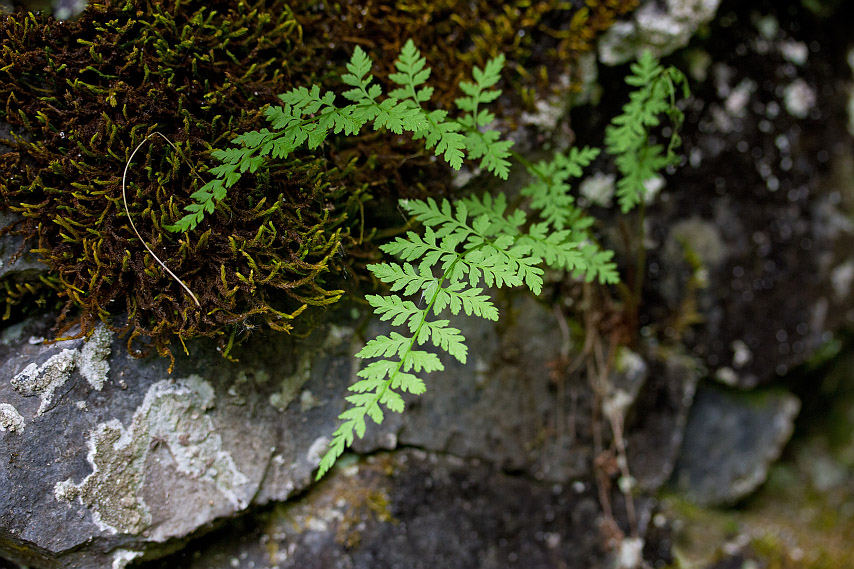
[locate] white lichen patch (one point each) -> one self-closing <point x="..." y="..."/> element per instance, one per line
<point x="45" y="379"/>
<point x="10" y="419"/>
<point x="91" y="360"/>
<point x="291" y="385"/>
<point x="661" y="27"/>
<point x="795" y="51"/>
<point x="172" y="415"/>
<point x="799" y="98"/>
<point x="599" y="188"/>
<point x="841" y="279"/>
<point x="122" y="557"/>
<point x="93" y="357"/>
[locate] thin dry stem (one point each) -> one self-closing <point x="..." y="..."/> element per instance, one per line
<point x="130" y="219"/>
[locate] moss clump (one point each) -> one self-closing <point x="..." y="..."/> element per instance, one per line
<point x="80" y="96"/>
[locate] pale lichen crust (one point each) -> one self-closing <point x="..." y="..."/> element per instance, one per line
<point x="172" y="415"/>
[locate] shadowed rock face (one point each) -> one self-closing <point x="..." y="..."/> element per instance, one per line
<point x="730" y="442"/>
<point x="420" y="510"/>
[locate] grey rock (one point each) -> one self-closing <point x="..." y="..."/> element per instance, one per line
<point x="654" y="432"/>
<point x="137" y="462"/>
<point x="661" y="27"/>
<point x="766" y="204"/>
<point x="416" y="509"/>
<point x="731" y="440"/>
<point x="105" y="471"/>
<point x="16" y="261"/>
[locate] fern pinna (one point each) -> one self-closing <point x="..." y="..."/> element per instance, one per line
<point x="471" y="245"/>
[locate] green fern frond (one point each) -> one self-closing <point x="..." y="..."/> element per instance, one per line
<point x="466" y="246"/>
<point x="627" y="137"/>
<point x="494" y="153"/>
<point x="550" y="192"/>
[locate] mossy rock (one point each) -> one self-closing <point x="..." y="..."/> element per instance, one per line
<point x="81" y="95"/>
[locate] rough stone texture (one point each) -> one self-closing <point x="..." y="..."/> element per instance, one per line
<point x="749" y="249"/>
<point x="749" y="273"/>
<point x="16" y="262"/>
<point x="417" y="510"/>
<point x="106" y="471"/>
<point x="661" y="27"/>
<point x="655" y="428"/>
<point x="120" y="468"/>
<point x="730" y="442"/>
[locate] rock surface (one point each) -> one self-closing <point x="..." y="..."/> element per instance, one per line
<point x="132" y="462"/>
<point x="115" y="462"/>
<point x="417" y="510"/>
<point x="662" y="27"/>
<point x="730" y="442"/>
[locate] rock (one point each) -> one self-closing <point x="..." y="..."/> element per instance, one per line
<point x="416" y="509"/>
<point x="765" y="205"/>
<point x="655" y="429"/>
<point x="116" y="459"/>
<point x="731" y="440"/>
<point x="661" y="27"/>
<point x="17" y="263"/>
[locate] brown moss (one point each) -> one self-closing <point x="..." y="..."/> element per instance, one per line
<point x="85" y="93"/>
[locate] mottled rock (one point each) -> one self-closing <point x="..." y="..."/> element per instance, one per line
<point x="656" y="425"/>
<point x="119" y="460"/>
<point x="10" y="419"/>
<point x="139" y="462"/>
<point x="417" y="510"/>
<point x="765" y="204"/>
<point x="731" y="440"/>
<point x="661" y="27"/>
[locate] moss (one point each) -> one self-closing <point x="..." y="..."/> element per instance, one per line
<point x="86" y="93"/>
<point x="80" y="96"/>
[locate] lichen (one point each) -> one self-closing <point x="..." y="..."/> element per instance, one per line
<point x="93" y="360"/>
<point x="122" y="557"/>
<point x="45" y="379"/>
<point x="172" y="415"/>
<point x="10" y="419"/>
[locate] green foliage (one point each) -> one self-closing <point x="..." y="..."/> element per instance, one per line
<point x="80" y="95"/>
<point x="477" y="241"/>
<point x="627" y="138"/>
<point x="309" y="116"/>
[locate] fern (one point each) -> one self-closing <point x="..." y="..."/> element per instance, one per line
<point x="466" y="247"/>
<point x="308" y="116"/>
<point x="444" y="268"/>
<point x="628" y="136"/>
<point x="479" y="240"/>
